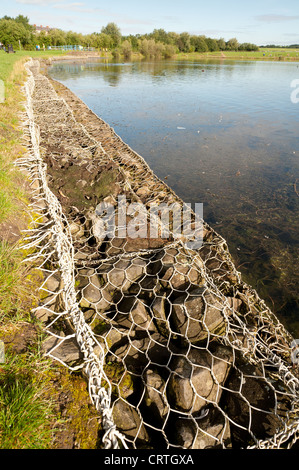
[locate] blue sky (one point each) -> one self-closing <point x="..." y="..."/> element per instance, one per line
<point x="257" y="21"/>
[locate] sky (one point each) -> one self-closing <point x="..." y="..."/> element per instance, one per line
<point x="257" y="21"/>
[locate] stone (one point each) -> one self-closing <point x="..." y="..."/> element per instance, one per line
<point x="97" y="229"/>
<point x="116" y="335"/>
<point x="220" y="269"/>
<point x="49" y="301"/>
<point x="140" y="316"/>
<point x="158" y="308"/>
<point x="154" y="396"/>
<point x="77" y="230"/>
<point x="96" y="296"/>
<point x="106" y="300"/>
<point x="140" y="352"/>
<point x="43" y="314"/>
<point x="66" y="350"/>
<point x="250" y="403"/>
<point x="172" y="256"/>
<point x="91" y="294"/>
<point x="197" y="378"/>
<point x="88" y="314"/>
<point x="125" y="273"/>
<point x="234" y="303"/>
<point x="178" y="270"/>
<point x="52" y="283"/>
<point x="128" y="421"/>
<point x="198" y="315"/>
<point x="213" y="432"/>
<point x="132" y="311"/>
<point x="168" y="256"/>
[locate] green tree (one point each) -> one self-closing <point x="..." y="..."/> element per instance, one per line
<point x="113" y="31"/>
<point x="133" y="40"/>
<point x="169" y="51"/>
<point x="73" y="38"/>
<point x="221" y="44"/>
<point x="160" y="35"/>
<point x="199" y="43"/>
<point x="212" y="44"/>
<point x="232" y="44"/>
<point x="101" y="41"/>
<point x="44" y="38"/>
<point x="143" y="47"/>
<point x="184" y="42"/>
<point x="173" y="38"/>
<point x="246" y="46"/>
<point x="126" y="49"/>
<point x="11" y="32"/>
<point x="57" y="37"/>
<point x="24" y="20"/>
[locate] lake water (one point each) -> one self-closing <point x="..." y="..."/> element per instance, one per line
<point x="223" y="133"/>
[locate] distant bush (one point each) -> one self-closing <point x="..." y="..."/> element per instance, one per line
<point x="246" y="46"/>
<point x="169" y="51"/>
<point x="126" y="49"/>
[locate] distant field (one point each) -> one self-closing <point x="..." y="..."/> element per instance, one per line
<point x="262" y="54"/>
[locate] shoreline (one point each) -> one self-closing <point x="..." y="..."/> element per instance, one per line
<point x="191" y="56"/>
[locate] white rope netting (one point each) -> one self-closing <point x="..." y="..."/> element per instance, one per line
<point x="178" y="351"/>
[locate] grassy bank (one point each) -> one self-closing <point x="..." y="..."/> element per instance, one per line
<point x="12" y="73"/>
<point x="22" y="410"/>
<point x="32" y="387"/>
<point x="263" y="54"/>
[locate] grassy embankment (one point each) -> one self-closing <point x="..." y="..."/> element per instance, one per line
<point x="23" y="412"/>
<point x="30" y="384"/>
<point x="263" y="54"/>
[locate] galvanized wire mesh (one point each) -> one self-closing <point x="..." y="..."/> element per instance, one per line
<point x="178" y="351"/>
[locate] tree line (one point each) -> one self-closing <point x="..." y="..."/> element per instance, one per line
<point x="275" y="46"/>
<point x="18" y="32"/>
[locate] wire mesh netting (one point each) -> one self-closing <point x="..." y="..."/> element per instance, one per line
<point x="178" y="351"/>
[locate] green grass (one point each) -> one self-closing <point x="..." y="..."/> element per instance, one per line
<point x="263" y="54"/>
<point x="26" y="417"/>
<point x="26" y="409"/>
<point x="23" y="415"/>
<point x="12" y="286"/>
<point x="13" y="74"/>
<point x="7" y="61"/>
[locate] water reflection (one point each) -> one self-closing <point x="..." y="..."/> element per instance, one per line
<point x="224" y="133"/>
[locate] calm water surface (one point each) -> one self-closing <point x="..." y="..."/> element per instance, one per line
<point x="224" y="133"/>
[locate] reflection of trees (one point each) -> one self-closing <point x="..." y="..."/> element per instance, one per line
<point x="112" y="72"/>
